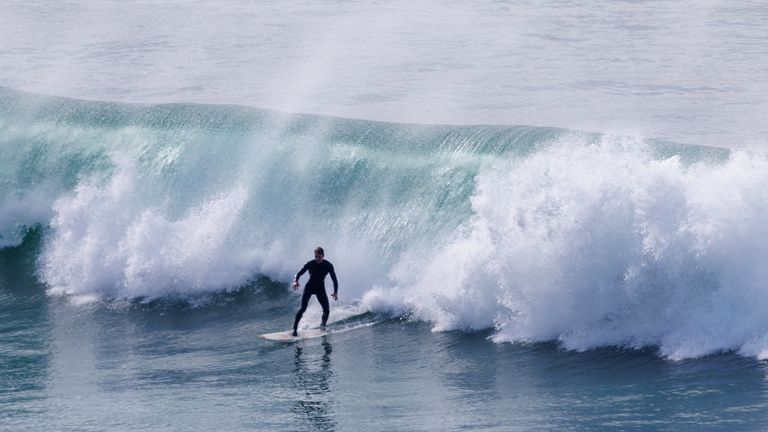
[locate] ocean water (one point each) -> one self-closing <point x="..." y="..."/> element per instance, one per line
<point x="544" y="216"/>
<point x="691" y="71"/>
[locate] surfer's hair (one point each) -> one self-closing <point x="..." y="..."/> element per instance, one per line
<point x="320" y="251"/>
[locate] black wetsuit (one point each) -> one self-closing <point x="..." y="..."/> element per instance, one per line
<point x="316" y="286"/>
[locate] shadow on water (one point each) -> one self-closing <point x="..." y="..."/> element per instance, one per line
<point x="260" y="300"/>
<point x="312" y="383"/>
<point x="17" y="267"/>
<point x="24" y="331"/>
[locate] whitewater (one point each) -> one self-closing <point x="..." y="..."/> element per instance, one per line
<point x="541" y="234"/>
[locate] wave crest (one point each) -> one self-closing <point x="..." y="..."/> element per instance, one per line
<point x="606" y="245"/>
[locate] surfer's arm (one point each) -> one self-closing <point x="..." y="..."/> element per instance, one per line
<point x="335" y="281"/>
<point x="301" y="272"/>
<point x="298" y="275"/>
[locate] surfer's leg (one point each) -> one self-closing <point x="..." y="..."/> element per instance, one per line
<point x="304" y="302"/>
<point x="322" y="297"/>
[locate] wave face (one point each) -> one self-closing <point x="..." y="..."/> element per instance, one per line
<point x="540" y="233"/>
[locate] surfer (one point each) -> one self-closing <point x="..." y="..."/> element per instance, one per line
<point x="318" y="268"/>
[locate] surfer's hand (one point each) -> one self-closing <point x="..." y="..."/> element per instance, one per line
<point x="295" y="285"/>
<point x="335" y="296"/>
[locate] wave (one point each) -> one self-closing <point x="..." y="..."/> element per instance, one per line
<point x="599" y="245"/>
<point x="540" y="233"/>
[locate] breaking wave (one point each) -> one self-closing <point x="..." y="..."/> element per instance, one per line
<point x="540" y="233"/>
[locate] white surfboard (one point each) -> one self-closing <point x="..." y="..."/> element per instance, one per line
<point x="286" y="336"/>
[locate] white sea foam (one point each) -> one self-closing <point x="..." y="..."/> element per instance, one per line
<point x="105" y="240"/>
<point x="142" y="230"/>
<point x="605" y="245"/>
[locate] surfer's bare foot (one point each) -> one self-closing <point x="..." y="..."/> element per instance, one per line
<point x="294" y="333"/>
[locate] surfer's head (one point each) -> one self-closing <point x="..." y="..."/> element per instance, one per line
<point x="319" y="254"/>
